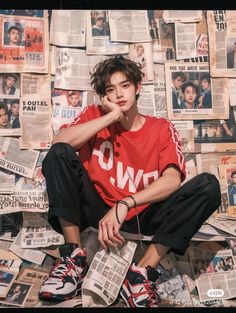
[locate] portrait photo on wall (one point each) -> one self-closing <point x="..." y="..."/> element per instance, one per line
<point x="99" y="23"/>
<point x="9" y="85"/>
<point x="9" y="117"/>
<point x="230" y="44"/>
<point x="14" y="34"/>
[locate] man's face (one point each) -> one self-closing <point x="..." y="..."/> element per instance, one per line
<point x="205" y="84"/>
<point x="190" y="94"/>
<point x="140" y="51"/>
<point x="178" y="82"/>
<point x="3" y="118"/>
<point x="15" y="109"/>
<point x="14" y="36"/>
<point x="121" y="91"/>
<point x="10" y="81"/>
<point x="74" y="100"/>
<point x="234" y="179"/>
<point x="100" y="22"/>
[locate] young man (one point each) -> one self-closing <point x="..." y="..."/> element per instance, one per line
<point x="8" y="85"/>
<point x="13" y="114"/>
<point x="178" y="78"/>
<point x="99" y="28"/>
<point x="128" y="164"/>
<point x="14" y="36"/>
<point x="4" y="116"/>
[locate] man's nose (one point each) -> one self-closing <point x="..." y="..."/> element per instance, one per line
<point x="119" y="93"/>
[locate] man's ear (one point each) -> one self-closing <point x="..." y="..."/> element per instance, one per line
<point x="138" y="89"/>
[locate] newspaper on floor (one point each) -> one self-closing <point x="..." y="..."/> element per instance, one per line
<point x="228" y="226"/>
<point x="17" y="294"/>
<point x="37" y="232"/>
<point x="159" y="90"/>
<point x="73" y="67"/>
<point x="214" y="273"/>
<point x="9" y="260"/>
<point x="183" y="16"/>
<point x="129" y="26"/>
<point x="24" y="45"/>
<point x="196" y="97"/>
<point x="185" y="130"/>
<point x="7" y="278"/>
<point x="171" y="286"/>
<point x="22" y="162"/>
<point x="76" y="301"/>
<point x="32" y="276"/>
<point x="222" y="37"/>
<point x="67" y="28"/>
<point x="7" y="182"/>
<point x="146" y="101"/>
<point x="32" y="255"/>
<point x="98" y="35"/>
<point x="106" y="274"/>
<point x="35" y="13"/>
<point x="141" y="54"/>
<point x="215" y="135"/>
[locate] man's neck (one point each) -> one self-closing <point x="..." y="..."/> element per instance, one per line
<point x="132" y="120"/>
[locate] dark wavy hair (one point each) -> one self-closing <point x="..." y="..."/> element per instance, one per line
<point x="104" y="70"/>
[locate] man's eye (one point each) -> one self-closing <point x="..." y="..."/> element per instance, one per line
<point x="125" y="85"/>
<point x="109" y="89"/>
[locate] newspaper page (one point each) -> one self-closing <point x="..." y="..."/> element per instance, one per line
<point x="191" y="166"/>
<point x="7" y="182"/>
<point x="22" y="162"/>
<point x="192" y="95"/>
<point x="129" y="26"/>
<point x="9" y="261"/>
<point x="35" y="13"/>
<point x="230" y="177"/>
<point x="17" y="294"/>
<point x="37" y="232"/>
<point x="185" y="36"/>
<point x="67" y="28"/>
<point x="63" y="115"/>
<point x="232" y="91"/>
<point x="7" y="278"/>
<point x="106" y="274"/>
<point x="33" y="85"/>
<point x="32" y="255"/>
<point x="24" y="45"/>
<point x="146" y="101"/>
<point x="184" y="16"/>
<point x="216" y="135"/>
<point x="227" y="226"/>
<point x="159" y="90"/>
<point x="34" y="277"/>
<point x="186" y="134"/>
<point x="141" y="54"/>
<point x="73" y="67"/>
<point x="98" y="35"/>
<point x="215" y="273"/>
<point x="221" y="42"/>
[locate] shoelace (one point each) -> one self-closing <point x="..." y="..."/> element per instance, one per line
<point x="63" y="266"/>
<point x="154" y="296"/>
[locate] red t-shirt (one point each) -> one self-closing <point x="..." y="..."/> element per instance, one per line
<point x="122" y="162"/>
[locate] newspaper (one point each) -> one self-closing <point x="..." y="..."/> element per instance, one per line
<point x="191" y="166"/>
<point x="214" y="272"/>
<point x="7" y="278"/>
<point x="36" y="13"/>
<point x="98" y="35"/>
<point x="67" y="28"/>
<point x="159" y="90"/>
<point x="73" y="67"/>
<point x="32" y="255"/>
<point x="146" y="101"/>
<point x="9" y="261"/>
<point x="34" y="277"/>
<point x="232" y="91"/>
<point x="37" y="232"/>
<point x="186" y="134"/>
<point x="141" y="54"/>
<point x="129" y="26"/>
<point x="185" y="36"/>
<point x="195" y="101"/>
<point x="184" y="16"/>
<point x="17" y="294"/>
<point x="216" y="135"/>
<point x="227" y="226"/>
<point x="35" y="85"/>
<point x="221" y="42"/>
<point x="18" y="161"/>
<point x="69" y="98"/>
<point x="229" y="175"/>
<point x="28" y="50"/>
<point x="7" y="182"/>
<point x="106" y="274"/>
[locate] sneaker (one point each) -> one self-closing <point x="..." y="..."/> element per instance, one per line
<point x="139" y="288"/>
<point x="65" y="278"/>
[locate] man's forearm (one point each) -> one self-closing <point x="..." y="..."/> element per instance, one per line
<point x="78" y="135"/>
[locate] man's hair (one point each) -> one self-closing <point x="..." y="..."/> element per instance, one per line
<point x="73" y="93"/>
<point x="179" y="74"/>
<point x="14" y="27"/>
<point x="189" y="84"/>
<point x="3" y="106"/>
<point x="100" y="17"/>
<point x="206" y="77"/>
<point x="15" y="101"/>
<point x="233" y="173"/>
<point x="10" y="75"/>
<point x="104" y="70"/>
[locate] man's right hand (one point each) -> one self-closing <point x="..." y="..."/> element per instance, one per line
<point x="109" y="106"/>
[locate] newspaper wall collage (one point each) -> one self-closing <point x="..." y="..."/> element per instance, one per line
<point x="189" y="63"/>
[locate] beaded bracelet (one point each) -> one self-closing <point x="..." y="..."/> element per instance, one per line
<point x="135" y="203"/>
<point x="117" y="203"/>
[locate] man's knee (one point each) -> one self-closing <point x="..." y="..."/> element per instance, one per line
<point x="212" y="189"/>
<point x="57" y="150"/>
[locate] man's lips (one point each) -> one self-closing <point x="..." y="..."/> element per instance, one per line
<point x="121" y="103"/>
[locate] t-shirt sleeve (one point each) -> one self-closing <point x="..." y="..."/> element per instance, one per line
<point x="170" y="151"/>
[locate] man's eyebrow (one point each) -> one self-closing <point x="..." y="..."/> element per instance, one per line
<point x="122" y="82"/>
